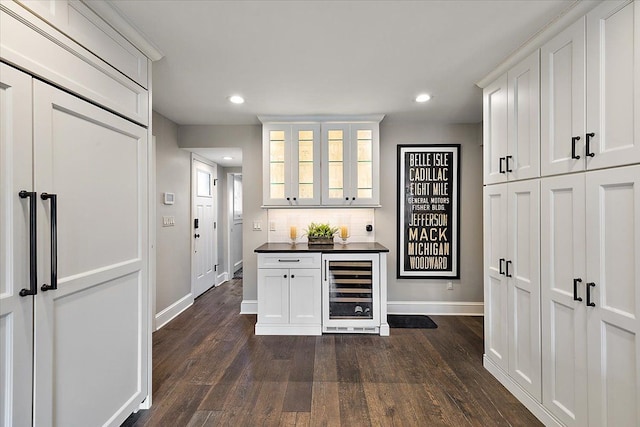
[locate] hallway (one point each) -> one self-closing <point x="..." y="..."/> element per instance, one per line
<point x="210" y="369"/>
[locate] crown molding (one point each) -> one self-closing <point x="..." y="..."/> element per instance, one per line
<point x="575" y="11"/>
<point x="110" y="13"/>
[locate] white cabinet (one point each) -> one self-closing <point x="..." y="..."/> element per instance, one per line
<point x="590" y="299"/>
<point x="291" y="164"/>
<point x="512" y="281"/>
<point x="511" y="124"/>
<point x="289" y="294"/>
<point x="589" y="229"/>
<point x="79" y="294"/>
<point x="350" y="164"/>
<point x="592" y="122"/>
<point x="317" y="163"/>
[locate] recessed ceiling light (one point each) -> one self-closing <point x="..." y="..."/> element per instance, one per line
<point x="236" y="99"/>
<point x="227" y="158"/>
<point x="423" y="97"/>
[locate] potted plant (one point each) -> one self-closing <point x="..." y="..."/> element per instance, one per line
<point x="321" y="234"/>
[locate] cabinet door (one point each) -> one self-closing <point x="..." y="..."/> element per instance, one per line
<point x="276" y="165"/>
<point x="523" y="157"/>
<point x="273" y="295"/>
<point x="16" y="312"/>
<point x="305" y="296"/>
<point x="613" y="84"/>
<point x="495" y="281"/>
<point x="91" y="333"/>
<point x="335" y="160"/>
<point x="562" y="97"/>
<point x="305" y="165"/>
<point x="495" y="137"/>
<point x="564" y="345"/>
<point x="364" y="152"/>
<point x="613" y="273"/>
<point x="523" y="274"/>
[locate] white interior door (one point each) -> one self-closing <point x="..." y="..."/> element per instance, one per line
<point x="91" y="332"/>
<point x="16" y="312"/>
<point x="235" y="236"/>
<point x="563" y="280"/>
<point x="613" y="272"/>
<point x="204" y="236"/>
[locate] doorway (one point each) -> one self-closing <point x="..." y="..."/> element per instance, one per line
<point x="234" y="226"/>
<point x="204" y="225"/>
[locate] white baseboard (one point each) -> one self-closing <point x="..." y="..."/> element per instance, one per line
<point x="169" y="313"/>
<point x="221" y="278"/>
<point x="448" y="308"/>
<point x="237" y="266"/>
<point x="525" y="398"/>
<point x="249" y="307"/>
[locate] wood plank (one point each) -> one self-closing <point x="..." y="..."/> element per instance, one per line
<point x="210" y="369"/>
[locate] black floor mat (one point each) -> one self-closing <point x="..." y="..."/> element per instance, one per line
<point x="410" y="321"/>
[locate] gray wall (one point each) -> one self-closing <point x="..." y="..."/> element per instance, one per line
<point x="249" y="139"/>
<point x="173" y="263"/>
<point x="469" y="287"/>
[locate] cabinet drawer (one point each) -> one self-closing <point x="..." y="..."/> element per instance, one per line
<point x="289" y="260"/>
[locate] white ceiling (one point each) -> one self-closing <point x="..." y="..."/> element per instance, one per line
<point x="330" y="57"/>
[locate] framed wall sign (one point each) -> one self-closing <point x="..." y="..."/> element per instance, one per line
<point x="428" y="211"/>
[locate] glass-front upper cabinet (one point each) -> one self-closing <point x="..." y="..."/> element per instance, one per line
<point x="350" y="164"/>
<point x="291" y="164"/>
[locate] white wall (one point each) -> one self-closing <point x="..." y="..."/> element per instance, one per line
<point x="173" y="263"/>
<point x="422" y="292"/>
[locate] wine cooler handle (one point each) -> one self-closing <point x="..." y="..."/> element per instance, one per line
<point x="574" y="139"/>
<point x="575" y="289"/>
<point x="53" y="200"/>
<point x="589" y="302"/>
<point x="325" y="270"/>
<point x="33" y="252"/>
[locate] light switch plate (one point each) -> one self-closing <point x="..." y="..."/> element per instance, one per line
<point x="257" y="225"/>
<point x="168" y="221"/>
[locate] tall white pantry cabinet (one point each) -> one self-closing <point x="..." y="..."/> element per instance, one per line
<point x="74" y="218"/>
<point x="562" y="246"/>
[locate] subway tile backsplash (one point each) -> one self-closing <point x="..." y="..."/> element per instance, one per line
<point x="356" y="219"/>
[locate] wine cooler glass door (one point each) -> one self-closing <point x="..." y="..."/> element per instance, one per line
<point x="351" y="290"/>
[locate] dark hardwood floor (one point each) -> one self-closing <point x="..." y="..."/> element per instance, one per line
<point x="210" y="369"/>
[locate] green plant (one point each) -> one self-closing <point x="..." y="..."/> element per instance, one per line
<point x="321" y="230"/>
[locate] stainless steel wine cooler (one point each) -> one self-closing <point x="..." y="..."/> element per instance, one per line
<point x="351" y="293"/>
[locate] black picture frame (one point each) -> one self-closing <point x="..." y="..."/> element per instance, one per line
<point x="428" y="216"/>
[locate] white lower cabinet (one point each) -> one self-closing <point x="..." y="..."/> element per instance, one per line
<point x="512" y="282"/>
<point x="289" y="294"/>
<point x="590" y="300"/>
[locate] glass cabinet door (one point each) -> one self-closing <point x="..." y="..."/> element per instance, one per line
<point x="335" y="156"/>
<point x="350" y="164"/>
<point x="305" y="155"/>
<point x="276" y="167"/>
<point x="365" y="164"/>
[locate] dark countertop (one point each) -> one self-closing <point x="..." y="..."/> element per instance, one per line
<point x="356" y="247"/>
